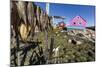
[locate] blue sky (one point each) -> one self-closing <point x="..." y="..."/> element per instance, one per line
<point x="70" y="11"/>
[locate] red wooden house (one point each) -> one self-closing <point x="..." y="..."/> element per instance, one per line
<point x="61" y="25"/>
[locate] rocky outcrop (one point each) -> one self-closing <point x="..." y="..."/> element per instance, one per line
<point x="83" y="34"/>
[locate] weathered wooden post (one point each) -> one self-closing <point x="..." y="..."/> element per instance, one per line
<point x="15" y="22"/>
<point x="51" y="49"/>
<point x="51" y="45"/>
<point x="46" y="32"/>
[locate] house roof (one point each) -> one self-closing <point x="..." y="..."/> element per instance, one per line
<point x="76" y="17"/>
<point x="78" y="21"/>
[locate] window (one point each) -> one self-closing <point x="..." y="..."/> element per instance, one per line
<point x="80" y="23"/>
<point x="74" y="23"/>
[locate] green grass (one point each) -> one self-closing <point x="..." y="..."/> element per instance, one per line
<point x="70" y="52"/>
